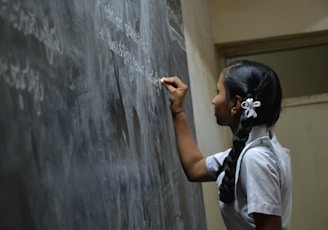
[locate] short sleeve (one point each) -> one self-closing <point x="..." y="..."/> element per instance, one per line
<point x="214" y="161"/>
<point x="260" y="179"/>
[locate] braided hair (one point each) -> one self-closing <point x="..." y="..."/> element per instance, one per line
<point x="248" y="79"/>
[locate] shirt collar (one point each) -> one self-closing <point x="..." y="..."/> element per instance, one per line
<point x="258" y="131"/>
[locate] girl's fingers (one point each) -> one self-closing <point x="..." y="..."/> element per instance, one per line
<point x="173" y="83"/>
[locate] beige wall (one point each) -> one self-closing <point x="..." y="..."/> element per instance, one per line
<point x="303" y="127"/>
<point x="250" y="19"/>
<point x="203" y="77"/>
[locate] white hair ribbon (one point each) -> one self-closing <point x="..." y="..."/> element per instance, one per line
<point x="249" y="106"/>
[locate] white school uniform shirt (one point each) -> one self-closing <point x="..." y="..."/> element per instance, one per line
<point x="263" y="181"/>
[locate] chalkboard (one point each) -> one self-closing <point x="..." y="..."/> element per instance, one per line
<point x="86" y="135"/>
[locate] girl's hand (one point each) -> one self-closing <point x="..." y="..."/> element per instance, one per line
<point x="177" y="90"/>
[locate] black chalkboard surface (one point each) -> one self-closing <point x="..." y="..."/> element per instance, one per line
<point x="86" y="135"/>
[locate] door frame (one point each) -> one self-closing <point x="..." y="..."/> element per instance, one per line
<point x="266" y="45"/>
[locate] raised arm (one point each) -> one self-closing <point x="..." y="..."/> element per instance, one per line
<point x="192" y="160"/>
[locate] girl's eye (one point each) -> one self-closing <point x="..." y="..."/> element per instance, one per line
<point x="216" y="91"/>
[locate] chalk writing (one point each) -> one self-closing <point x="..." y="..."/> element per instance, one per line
<point x="22" y="77"/>
<point x="119" y="47"/>
<point x="135" y="36"/>
<point x="112" y="16"/>
<point x="117" y="21"/>
<point x="25" y="21"/>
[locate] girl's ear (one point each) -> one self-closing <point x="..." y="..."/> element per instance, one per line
<point x="236" y="105"/>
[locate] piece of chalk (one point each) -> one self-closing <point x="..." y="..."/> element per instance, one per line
<point x="162" y="79"/>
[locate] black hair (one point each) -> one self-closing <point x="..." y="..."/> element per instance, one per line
<point x="248" y="79"/>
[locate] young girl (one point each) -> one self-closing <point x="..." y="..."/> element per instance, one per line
<point x="254" y="175"/>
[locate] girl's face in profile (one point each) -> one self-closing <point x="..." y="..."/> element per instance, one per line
<point x="223" y="106"/>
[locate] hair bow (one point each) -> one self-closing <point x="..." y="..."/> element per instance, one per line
<point x="249" y="106"/>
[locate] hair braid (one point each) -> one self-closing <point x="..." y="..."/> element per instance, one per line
<point x="227" y="187"/>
